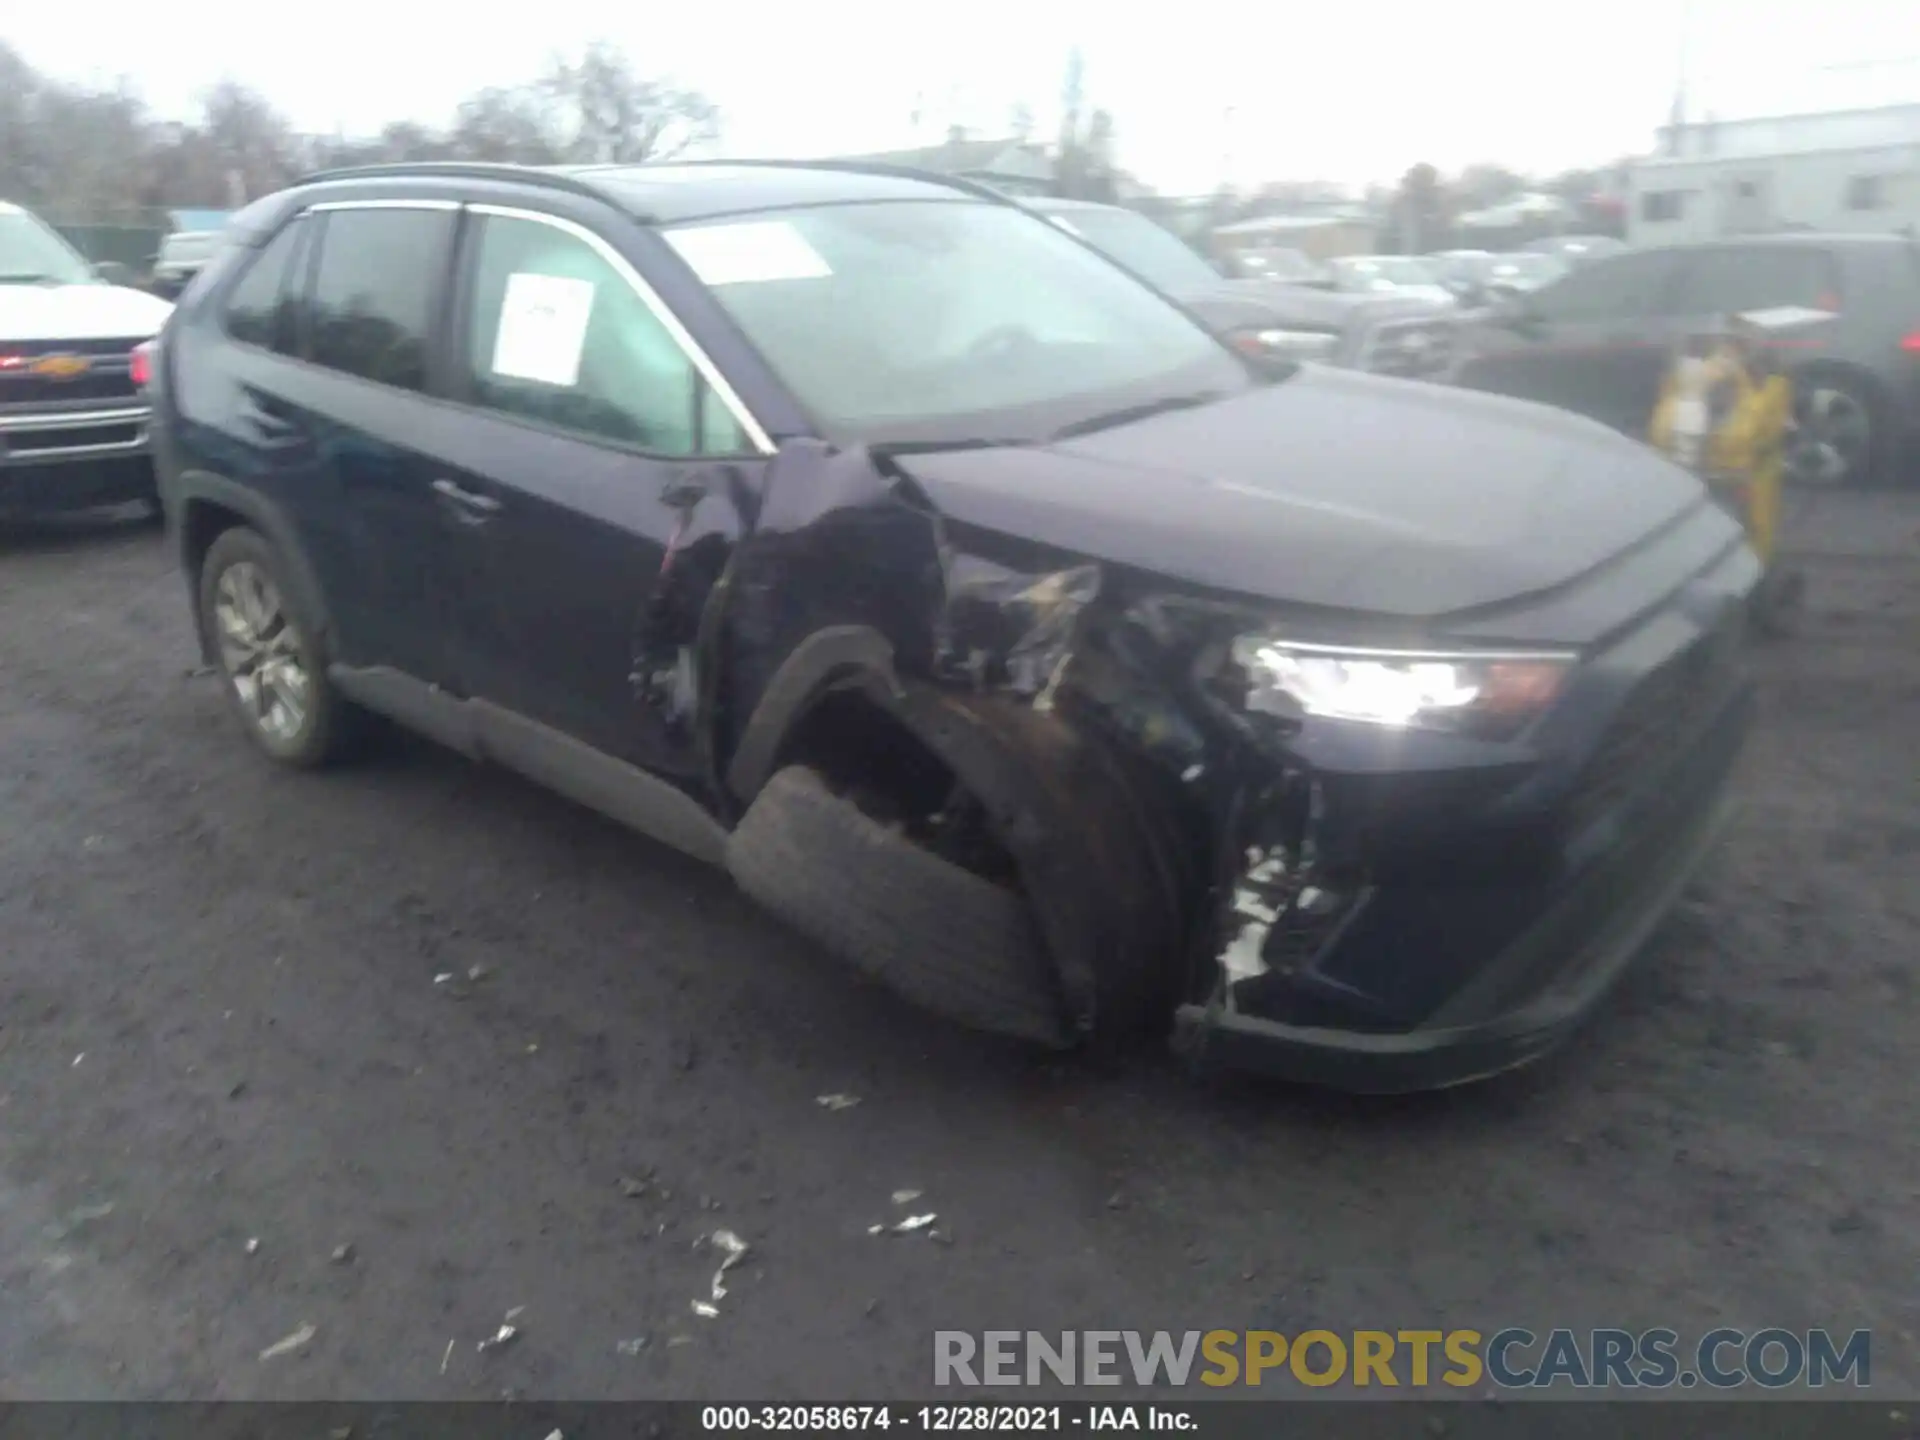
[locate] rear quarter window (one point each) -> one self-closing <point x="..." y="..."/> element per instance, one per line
<point x="259" y="306"/>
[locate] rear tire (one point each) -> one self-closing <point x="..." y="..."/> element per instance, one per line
<point x="1838" y="438"/>
<point x="933" y="933"/>
<point x="270" y="663"/>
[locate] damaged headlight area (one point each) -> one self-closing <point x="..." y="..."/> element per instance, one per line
<point x="1489" y="694"/>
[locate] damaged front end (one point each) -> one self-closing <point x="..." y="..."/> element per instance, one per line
<point x="1059" y="797"/>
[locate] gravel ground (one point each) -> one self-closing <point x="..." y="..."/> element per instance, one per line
<point x="220" y="1024"/>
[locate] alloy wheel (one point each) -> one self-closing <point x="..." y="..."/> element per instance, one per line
<point x="1831" y="440"/>
<point x="261" y="653"/>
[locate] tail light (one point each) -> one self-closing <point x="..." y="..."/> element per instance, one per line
<point x="140" y="364"/>
<point x="1911" y="343"/>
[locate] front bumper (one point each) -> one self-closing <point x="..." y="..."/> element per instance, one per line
<point x="1530" y="995"/>
<point x="59" y="459"/>
<point x="1454" y="911"/>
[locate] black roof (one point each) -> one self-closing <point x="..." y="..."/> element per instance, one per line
<point x="667" y="194"/>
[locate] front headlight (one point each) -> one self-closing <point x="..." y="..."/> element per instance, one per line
<point x="1287" y="344"/>
<point x="1486" y="693"/>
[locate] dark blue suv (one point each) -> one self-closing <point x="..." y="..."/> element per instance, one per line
<point x="1058" y="665"/>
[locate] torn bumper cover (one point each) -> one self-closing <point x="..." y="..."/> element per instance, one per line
<point x="1572" y="940"/>
<point x="1404" y="931"/>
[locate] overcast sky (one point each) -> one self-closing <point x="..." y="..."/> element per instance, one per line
<point x="1200" y="90"/>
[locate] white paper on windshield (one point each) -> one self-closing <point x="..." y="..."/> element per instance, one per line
<point x="742" y="254"/>
<point x="543" y="327"/>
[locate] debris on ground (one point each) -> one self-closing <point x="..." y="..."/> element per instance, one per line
<point x="635" y="1186"/>
<point x="296" y="1341"/>
<point x="836" y="1101"/>
<point x="505" y="1335"/>
<point x="906" y="1197"/>
<point x="236" y="1090"/>
<point x="253" y="1245"/>
<point x="631" y="1347"/>
<point x="732" y="1251"/>
<point x="78" y="1216"/>
<point x="78" y="1058"/>
<point x="342" y="1254"/>
<point x="446" y="1357"/>
<point x="904" y="1227"/>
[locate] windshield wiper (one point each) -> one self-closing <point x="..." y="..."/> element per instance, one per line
<point x="1127" y="414"/>
<point x="29" y="279"/>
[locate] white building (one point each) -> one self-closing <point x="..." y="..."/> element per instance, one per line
<point x="1852" y="171"/>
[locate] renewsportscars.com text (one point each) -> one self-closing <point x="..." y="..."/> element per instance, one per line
<point x="1512" y="1358"/>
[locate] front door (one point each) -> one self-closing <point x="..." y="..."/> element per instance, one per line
<point x="590" y="486"/>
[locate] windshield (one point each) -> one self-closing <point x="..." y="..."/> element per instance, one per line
<point x="948" y="321"/>
<point x="1152" y="253"/>
<point x="1382" y="272"/>
<point x="31" y="253"/>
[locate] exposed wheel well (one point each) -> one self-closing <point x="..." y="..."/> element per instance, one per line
<point x="201" y="523"/>
<point x="876" y="761"/>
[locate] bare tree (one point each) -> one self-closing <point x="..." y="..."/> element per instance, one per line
<point x="95" y="155"/>
<point x="249" y="141"/>
<point x="506" y="125"/>
<point x="1480" y="186"/>
<point x="610" y="114"/>
<point x="1421" y="205"/>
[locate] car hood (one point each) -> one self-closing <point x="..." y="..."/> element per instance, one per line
<point x="1332" y="489"/>
<point x="1238" y="304"/>
<point x="79" y="312"/>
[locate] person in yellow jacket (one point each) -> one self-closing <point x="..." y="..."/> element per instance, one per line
<point x="1724" y="413"/>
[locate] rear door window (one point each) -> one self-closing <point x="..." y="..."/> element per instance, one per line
<point x="1726" y="281"/>
<point x="377" y="291"/>
<point x="1617" y="288"/>
<point x="260" y="308"/>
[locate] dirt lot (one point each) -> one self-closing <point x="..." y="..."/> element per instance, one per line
<point x="220" y="1023"/>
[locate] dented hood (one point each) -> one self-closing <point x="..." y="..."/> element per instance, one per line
<point x="1333" y="488"/>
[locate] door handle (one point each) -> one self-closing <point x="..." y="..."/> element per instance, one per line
<point x="468" y="500"/>
<point x="272" y="424"/>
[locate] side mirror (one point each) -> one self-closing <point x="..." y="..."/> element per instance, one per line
<point x="112" y="272"/>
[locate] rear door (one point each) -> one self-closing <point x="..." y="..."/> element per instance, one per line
<point x="1594" y="342"/>
<point x="591" y="488"/>
<point x="375" y="292"/>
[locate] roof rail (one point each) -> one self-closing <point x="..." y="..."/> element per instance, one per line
<point x="455" y="170"/>
<point x="863" y="167"/>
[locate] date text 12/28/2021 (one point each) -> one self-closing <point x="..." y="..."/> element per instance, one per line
<point x="937" y="1419"/>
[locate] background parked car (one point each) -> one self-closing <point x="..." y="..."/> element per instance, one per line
<point x="1280" y="264"/>
<point x="1390" y="332"/>
<point x="182" y="255"/>
<point x="1477" y="277"/>
<point x="1577" y="249"/>
<point x="1599" y="340"/>
<point x="1409" y="275"/>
